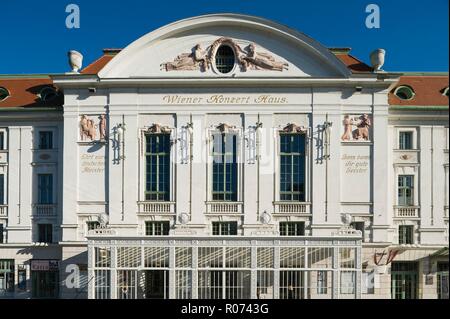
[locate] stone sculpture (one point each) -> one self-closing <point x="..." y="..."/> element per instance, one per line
<point x="102" y="127"/>
<point x="362" y="131"/>
<point x="200" y="59"/>
<point x="348" y="122"/>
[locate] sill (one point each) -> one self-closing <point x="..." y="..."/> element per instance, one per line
<point x="361" y="143"/>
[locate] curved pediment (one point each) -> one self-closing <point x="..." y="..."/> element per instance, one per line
<point x="193" y="48"/>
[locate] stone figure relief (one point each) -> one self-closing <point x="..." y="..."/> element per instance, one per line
<point x="257" y="60"/>
<point x="362" y="130"/>
<point x="200" y="59"/>
<point x="88" y="129"/>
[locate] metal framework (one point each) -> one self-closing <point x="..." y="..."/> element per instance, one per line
<point x="224" y="267"/>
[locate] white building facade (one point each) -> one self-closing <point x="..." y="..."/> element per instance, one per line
<point x="220" y="157"/>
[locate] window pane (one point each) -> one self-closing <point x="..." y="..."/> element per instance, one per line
<point x="224" y="167"/>
<point x="292" y="167"/>
<point x="45" y="189"/>
<point x="45" y="140"/>
<point x="405" y="140"/>
<point x="157" y="167"/>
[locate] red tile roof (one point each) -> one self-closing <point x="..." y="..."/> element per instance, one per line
<point x="96" y="66"/>
<point x="428" y="90"/>
<point x="23" y="92"/>
<point x="355" y="65"/>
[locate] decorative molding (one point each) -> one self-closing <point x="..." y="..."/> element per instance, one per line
<point x="294" y="128"/>
<point x="88" y="129"/>
<point x="159" y="129"/>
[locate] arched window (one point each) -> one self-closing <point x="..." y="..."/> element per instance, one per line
<point x="4" y="93"/>
<point x="225" y="59"/>
<point x="404" y="92"/>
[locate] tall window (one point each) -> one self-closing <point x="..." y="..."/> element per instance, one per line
<point x="224" y="167"/>
<point x="45" y="189"/>
<point x="157" y="228"/>
<point x="406" y="234"/>
<point x="1" y="234"/>
<point x="45" y="233"/>
<point x="292" y="228"/>
<point x="45" y="140"/>
<point x="2" y="141"/>
<point x="2" y="189"/>
<point x="6" y="276"/>
<point x="224" y="228"/>
<point x="157" y="167"/>
<point x="292" y="167"/>
<point x="405" y="140"/>
<point x="405" y="190"/>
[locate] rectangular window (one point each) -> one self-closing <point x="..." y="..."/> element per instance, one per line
<point x="157" y="228"/>
<point x="292" y="167"/>
<point x="92" y="225"/>
<point x="45" y="189"/>
<point x="1" y="234"/>
<point x="157" y="167"/>
<point x="358" y="226"/>
<point x="2" y="189"/>
<point x="405" y="141"/>
<point x="224" y="167"/>
<point x="6" y="276"/>
<point x="224" y="228"/>
<point x="292" y="228"/>
<point x="406" y="190"/>
<point x="2" y="141"/>
<point x="45" y="233"/>
<point x="45" y="140"/>
<point x="405" y="234"/>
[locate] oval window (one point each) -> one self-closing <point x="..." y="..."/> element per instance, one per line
<point x="4" y="93"/>
<point x="404" y="92"/>
<point x="225" y="59"/>
<point x="48" y="94"/>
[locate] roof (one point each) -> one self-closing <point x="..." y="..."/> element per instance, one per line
<point x="355" y="65"/>
<point x="24" y="92"/>
<point x="99" y="64"/>
<point x="428" y="90"/>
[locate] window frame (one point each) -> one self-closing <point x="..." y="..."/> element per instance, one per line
<point x="158" y="228"/>
<point x="403" y="143"/>
<point x="402" y="191"/>
<point x="231" y="228"/>
<point x="406" y="234"/>
<point x="3" y="139"/>
<point x="298" y="228"/>
<point x="41" y="200"/>
<point x="166" y="195"/>
<point x="3" y="187"/>
<point x="48" y="235"/>
<point x="233" y="194"/>
<point x="305" y="166"/>
<point x="219" y="67"/>
<point x="50" y="145"/>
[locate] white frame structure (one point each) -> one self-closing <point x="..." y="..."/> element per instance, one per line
<point x="254" y="259"/>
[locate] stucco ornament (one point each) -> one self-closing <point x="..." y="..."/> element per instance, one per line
<point x="159" y="129"/>
<point x="294" y="128"/>
<point x="102" y="127"/>
<point x="202" y="60"/>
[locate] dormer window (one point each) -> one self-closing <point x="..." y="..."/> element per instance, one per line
<point x="47" y="94"/>
<point x="4" y="94"/>
<point x="225" y="59"/>
<point x="404" y="92"/>
<point x="445" y="92"/>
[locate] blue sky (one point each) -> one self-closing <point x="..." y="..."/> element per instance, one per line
<point x="35" y="38"/>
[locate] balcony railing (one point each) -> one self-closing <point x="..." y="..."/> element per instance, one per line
<point x="224" y="207"/>
<point x="3" y="210"/>
<point x="44" y="210"/>
<point x="292" y="208"/>
<point x="156" y="207"/>
<point x="407" y="211"/>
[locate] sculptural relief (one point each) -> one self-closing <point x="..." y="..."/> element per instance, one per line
<point x="200" y="59"/>
<point x="362" y="130"/>
<point x="257" y="60"/>
<point x="88" y="129"/>
<point x="294" y="128"/>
